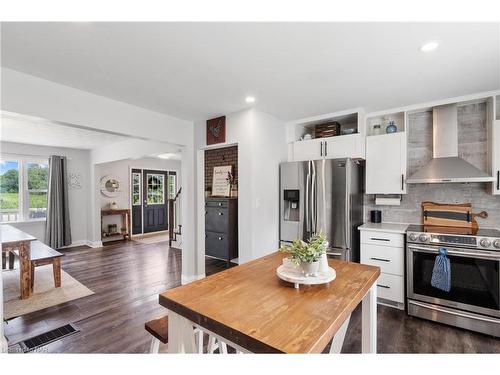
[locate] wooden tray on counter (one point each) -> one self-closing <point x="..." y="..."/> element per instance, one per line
<point x="450" y="215"/>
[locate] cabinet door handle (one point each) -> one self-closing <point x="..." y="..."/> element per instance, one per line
<point x="220" y="204"/>
<point x="220" y="238"/>
<point x="220" y="213"/>
<point x="321" y="149"/>
<point x="384" y="286"/>
<point x="498" y="180"/>
<point x="326" y="150"/>
<point x="402" y="182"/>
<point x="381" y="260"/>
<point x="380" y="239"/>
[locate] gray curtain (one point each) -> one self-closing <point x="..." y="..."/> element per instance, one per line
<point x="58" y="230"/>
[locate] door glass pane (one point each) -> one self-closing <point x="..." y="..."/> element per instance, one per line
<point x="172" y="185"/>
<point x="9" y="190"/>
<point x="136" y="189"/>
<point x="38" y="178"/>
<point x="473" y="281"/>
<point x="155" y="189"/>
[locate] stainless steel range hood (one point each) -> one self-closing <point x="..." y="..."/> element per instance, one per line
<point x="446" y="166"/>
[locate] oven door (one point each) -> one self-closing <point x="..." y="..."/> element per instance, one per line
<point x="475" y="278"/>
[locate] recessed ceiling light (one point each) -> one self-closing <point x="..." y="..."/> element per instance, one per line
<point x="429" y="46"/>
<point x="250" y="99"/>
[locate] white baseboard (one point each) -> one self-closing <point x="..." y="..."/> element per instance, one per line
<point x="3" y="344"/>
<point x="189" y="279"/>
<point x="94" y="243"/>
<point x="76" y="243"/>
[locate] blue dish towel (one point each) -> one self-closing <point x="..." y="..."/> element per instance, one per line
<point x="441" y="273"/>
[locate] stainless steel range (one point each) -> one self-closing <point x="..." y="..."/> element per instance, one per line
<point x="474" y="299"/>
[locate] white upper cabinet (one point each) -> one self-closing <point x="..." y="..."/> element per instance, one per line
<point x="349" y="144"/>
<point x="386" y="164"/>
<point x="345" y="146"/>
<point x="308" y="150"/>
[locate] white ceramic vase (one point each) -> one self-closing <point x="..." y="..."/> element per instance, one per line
<point x="323" y="263"/>
<point x="310" y="269"/>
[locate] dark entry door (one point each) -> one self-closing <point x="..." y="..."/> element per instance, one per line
<point x="137" y="198"/>
<point x="154" y="200"/>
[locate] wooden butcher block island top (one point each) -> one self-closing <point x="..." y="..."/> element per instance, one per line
<point x="250" y="306"/>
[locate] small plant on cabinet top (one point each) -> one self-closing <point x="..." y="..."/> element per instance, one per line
<point x="306" y="252"/>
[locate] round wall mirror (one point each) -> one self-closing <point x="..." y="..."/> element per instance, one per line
<point x="110" y="186"/>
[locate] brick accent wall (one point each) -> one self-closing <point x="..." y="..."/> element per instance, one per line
<point x="217" y="158"/>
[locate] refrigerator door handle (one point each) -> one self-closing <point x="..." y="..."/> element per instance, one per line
<point x="313" y="202"/>
<point x="347" y="205"/>
<point x="307" y="197"/>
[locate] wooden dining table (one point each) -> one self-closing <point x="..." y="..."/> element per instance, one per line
<point x="250" y="309"/>
<point x="15" y="239"/>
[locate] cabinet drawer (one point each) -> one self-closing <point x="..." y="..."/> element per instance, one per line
<point x="216" y="203"/>
<point x="216" y="219"/>
<point x="389" y="259"/>
<point x="216" y="245"/>
<point x="391" y="287"/>
<point x="382" y="238"/>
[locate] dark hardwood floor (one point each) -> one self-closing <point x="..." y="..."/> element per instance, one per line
<point x="127" y="278"/>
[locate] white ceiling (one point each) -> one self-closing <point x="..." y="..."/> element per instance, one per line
<point x="198" y="70"/>
<point x="30" y="130"/>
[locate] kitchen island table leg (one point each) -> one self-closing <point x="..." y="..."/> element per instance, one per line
<point x="338" y="339"/>
<point x="369" y="321"/>
<point x="180" y="334"/>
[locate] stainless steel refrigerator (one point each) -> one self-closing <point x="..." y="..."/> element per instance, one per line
<point x="323" y="195"/>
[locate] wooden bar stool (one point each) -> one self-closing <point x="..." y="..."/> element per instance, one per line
<point x="158" y="328"/>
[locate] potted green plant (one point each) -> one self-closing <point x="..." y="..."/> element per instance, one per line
<point x="307" y="255"/>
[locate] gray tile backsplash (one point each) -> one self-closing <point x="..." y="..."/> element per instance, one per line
<point x="472" y="136"/>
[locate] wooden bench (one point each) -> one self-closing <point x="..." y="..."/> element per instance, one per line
<point x="42" y="255"/>
<point x="11" y="256"/>
<point x="159" y="329"/>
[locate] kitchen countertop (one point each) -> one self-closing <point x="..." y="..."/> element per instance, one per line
<point x="385" y="227"/>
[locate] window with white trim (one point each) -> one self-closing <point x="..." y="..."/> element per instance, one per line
<point x="23" y="189"/>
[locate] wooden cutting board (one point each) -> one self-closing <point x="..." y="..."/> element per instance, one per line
<point x="449" y="215"/>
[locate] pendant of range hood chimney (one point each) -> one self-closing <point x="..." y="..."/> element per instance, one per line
<point x="446" y="165"/>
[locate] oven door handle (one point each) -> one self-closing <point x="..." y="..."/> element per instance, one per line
<point x="457" y="252"/>
<point x="453" y="312"/>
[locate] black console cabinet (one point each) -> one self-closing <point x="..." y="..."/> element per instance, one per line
<point x="221" y="228"/>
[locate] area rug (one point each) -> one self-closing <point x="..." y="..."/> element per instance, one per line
<point x="45" y="294"/>
<point x="151" y="239"/>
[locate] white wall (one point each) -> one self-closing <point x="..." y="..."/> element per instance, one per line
<point x="78" y="162"/>
<point x="122" y="169"/>
<point x="261" y="147"/>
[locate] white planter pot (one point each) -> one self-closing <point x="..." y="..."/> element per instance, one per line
<point x="323" y="263"/>
<point x="310" y="269"/>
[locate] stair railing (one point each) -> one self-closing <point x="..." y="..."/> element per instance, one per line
<point x="174" y="210"/>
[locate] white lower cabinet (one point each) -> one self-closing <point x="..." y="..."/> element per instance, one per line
<point x="386" y="250"/>
<point x="391" y="288"/>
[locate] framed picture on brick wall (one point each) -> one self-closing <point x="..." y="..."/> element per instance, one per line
<point x="220" y="183"/>
<point x="216" y="130"/>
